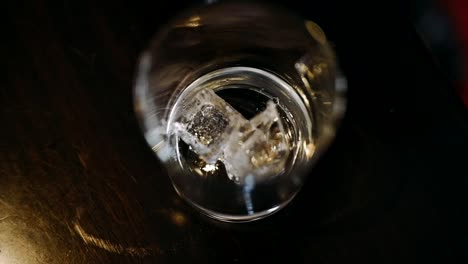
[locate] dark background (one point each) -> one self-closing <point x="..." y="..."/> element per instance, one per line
<point x="78" y="184"/>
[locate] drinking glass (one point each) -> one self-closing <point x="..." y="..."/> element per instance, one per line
<point x="238" y="100"/>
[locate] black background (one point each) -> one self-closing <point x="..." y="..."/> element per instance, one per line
<point x="78" y="184"/>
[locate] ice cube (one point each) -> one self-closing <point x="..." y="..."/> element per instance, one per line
<point x="259" y="149"/>
<point x="207" y="123"/>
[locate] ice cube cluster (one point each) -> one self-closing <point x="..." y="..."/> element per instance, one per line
<point x="216" y="131"/>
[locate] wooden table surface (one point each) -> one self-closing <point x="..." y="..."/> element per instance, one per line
<point x="78" y="184"/>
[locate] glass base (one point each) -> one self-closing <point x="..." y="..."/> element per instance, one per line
<point x="230" y="218"/>
<point x="239" y="138"/>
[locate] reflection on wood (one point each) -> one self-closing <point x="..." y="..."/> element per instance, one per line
<point x="114" y="247"/>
